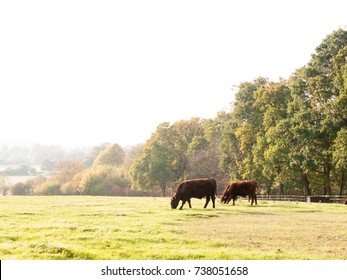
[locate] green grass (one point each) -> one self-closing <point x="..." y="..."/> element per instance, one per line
<point x="146" y="228"/>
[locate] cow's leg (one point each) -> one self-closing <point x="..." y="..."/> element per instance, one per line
<point x="234" y="201"/>
<point x="254" y="199"/>
<point x="183" y="202"/>
<point x="190" y="206"/>
<point x="213" y="201"/>
<point x="207" y="200"/>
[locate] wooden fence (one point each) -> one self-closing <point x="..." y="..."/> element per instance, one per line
<point x="313" y="198"/>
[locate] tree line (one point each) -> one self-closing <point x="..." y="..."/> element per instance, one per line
<point x="289" y="135"/>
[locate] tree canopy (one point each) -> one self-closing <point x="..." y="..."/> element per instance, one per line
<point x="289" y="135"/>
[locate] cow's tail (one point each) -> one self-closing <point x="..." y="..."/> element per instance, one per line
<point x="215" y="189"/>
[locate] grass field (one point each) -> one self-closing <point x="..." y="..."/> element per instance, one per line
<point x="146" y="228"/>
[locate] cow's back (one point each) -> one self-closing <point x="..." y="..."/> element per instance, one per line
<point x="242" y="188"/>
<point x="199" y="188"/>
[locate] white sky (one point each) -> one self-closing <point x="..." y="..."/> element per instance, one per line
<point x="79" y="73"/>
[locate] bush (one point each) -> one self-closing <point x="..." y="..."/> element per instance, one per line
<point x="22" y="188"/>
<point x="101" y="179"/>
<point x="73" y="187"/>
<point x="68" y="189"/>
<point x="50" y="187"/>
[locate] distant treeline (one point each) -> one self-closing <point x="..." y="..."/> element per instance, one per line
<point x="35" y="155"/>
<point x="290" y="136"/>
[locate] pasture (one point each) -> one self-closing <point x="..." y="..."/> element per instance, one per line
<point x="128" y="228"/>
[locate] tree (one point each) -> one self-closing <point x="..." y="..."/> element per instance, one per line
<point x="204" y="160"/>
<point x="47" y="165"/>
<point x="74" y="186"/>
<point x="3" y="185"/>
<point x="240" y="132"/>
<point x="340" y="155"/>
<point x="325" y="93"/>
<point x="153" y="168"/>
<point x="42" y="152"/>
<point x="300" y="135"/>
<point x="21" y="170"/>
<point x="64" y="170"/>
<point x="21" y="188"/>
<point x="270" y="149"/>
<point x="49" y="187"/>
<point x="164" y="158"/>
<point x="93" y="154"/>
<point x="112" y="155"/>
<point x="100" y="179"/>
<point x="131" y="154"/>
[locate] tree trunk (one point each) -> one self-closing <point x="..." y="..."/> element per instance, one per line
<point x="306" y="182"/>
<point x="280" y="189"/>
<point x="280" y="185"/>
<point x="163" y="190"/>
<point x="268" y="190"/>
<point x="342" y="184"/>
<point x="327" y="187"/>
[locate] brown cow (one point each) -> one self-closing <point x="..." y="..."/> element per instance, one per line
<point x="197" y="188"/>
<point x="242" y="188"/>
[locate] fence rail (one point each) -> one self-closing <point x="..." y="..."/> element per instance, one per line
<point x="313" y="198"/>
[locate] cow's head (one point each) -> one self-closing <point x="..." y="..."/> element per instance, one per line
<point x="174" y="202"/>
<point x="223" y="199"/>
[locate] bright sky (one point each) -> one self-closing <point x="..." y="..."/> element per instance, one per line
<point x="79" y="73"/>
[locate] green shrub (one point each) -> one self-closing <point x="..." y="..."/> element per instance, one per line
<point x="50" y="187"/>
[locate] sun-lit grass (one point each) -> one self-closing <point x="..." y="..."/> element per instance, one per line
<point x="146" y="228"/>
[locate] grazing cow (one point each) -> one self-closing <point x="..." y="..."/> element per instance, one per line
<point x="346" y="202"/>
<point x="242" y="188"/>
<point x="197" y="188"/>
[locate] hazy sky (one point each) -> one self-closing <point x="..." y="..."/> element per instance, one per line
<point x="79" y="73"/>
